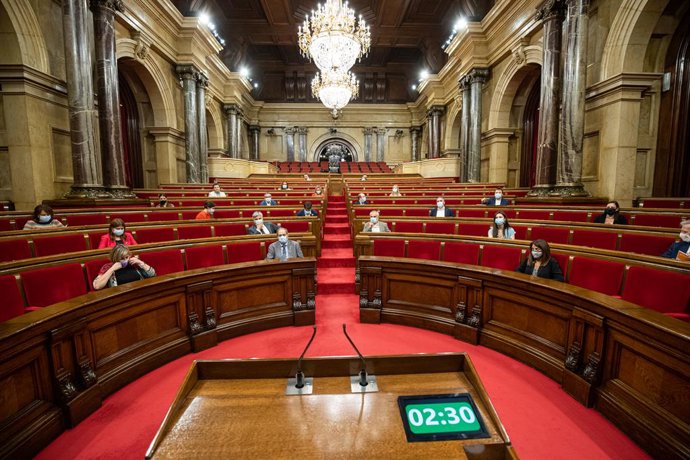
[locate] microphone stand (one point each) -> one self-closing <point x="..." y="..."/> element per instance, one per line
<point x="361" y="383"/>
<point x="301" y="385"/>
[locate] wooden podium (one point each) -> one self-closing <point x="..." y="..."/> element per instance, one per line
<point x="239" y="409"/>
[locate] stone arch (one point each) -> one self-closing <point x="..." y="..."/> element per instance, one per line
<point x="214" y="125"/>
<point x="452" y="131"/>
<point x="32" y="44"/>
<point x="318" y="143"/>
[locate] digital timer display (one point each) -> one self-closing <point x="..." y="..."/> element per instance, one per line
<point x="441" y="417"/>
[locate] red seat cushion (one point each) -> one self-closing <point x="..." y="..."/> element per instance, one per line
<point x="93" y="267"/>
<point x="227" y="213"/>
<point x="293" y="227"/>
<point x="230" y="229"/>
<point x="47" y="286"/>
<point x="598" y="275"/>
<point x="550" y="234"/>
<point x="244" y="252"/>
<point x="571" y="216"/>
<point x="163" y="216"/>
<point x="529" y="214"/>
<point x="660" y="290"/>
<point x="164" y="262"/>
<point x="657" y="220"/>
<point x="12" y="302"/>
<point x="6" y="225"/>
<point x="14" y="249"/>
<point x="473" y="213"/>
<point x="645" y="244"/>
<point x="191" y="232"/>
<point x="130" y="216"/>
<point x="473" y="229"/>
<point x="204" y="256"/>
<point x="463" y="253"/>
<point x="154" y="235"/>
<point x="59" y="244"/>
<point x="189" y="215"/>
<point x="408" y="227"/>
<point x="76" y="220"/>
<point x="389" y="248"/>
<point x="503" y="257"/>
<point x="595" y="239"/>
<point x="424" y="249"/>
<point x="447" y="228"/>
<point x="411" y="212"/>
<point x="280" y="213"/>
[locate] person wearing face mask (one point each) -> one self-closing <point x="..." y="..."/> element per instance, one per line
<point x="216" y="192"/>
<point x="284" y="186"/>
<point x="501" y="229"/>
<point x="260" y="227"/>
<point x="362" y="199"/>
<point x="363" y="178"/>
<point x="116" y="235"/>
<point x="284" y="248"/>
<point x="307" y="210"/>
<point x="395" y="191"/>
<point x="374" y="224"/>
<point x="318" y="191"/>
<point x="123" y="268"/>
<point x="611" y="215"/>
<point x="680" y="246"/>
<point x="307" y="178"/>
<point x="496" y="200"/>
<point x="440" y="210"/>
<point x="163" y="202"/>
<point x="43" y="219"/>
<point x="539" y="262"/>
<point x="207" y="212"/>
<point x="268" y="201"/>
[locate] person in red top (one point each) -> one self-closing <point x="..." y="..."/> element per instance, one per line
<point x="207" y="212"/>
<point x="116" y="235"/>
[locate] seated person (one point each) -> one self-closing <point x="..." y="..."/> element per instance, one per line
<point x="611" y="215"/>
<point x="123" y="268"/>
<point x="116" y="236"/>
<point x="363" y="178"/>
<point x="501" y="229"/>
<point x="43" y="219"/>
<point x="284" y="248"/>
<point x="260" y="227"/>
<point x="395" y="191"/>
<point x="496" y="200"/>
<point x="539" y="262"/>
<point x="374" y="224"/>
<point x="216" y="192"/>
<point x="163" y="202"/>
<point x="318" y="191"/>
<point x="268" y="201"/>
<point x="207" y="212"/>
<point x="284" y="186"/>
<point x="680" y="246"/>
<point x="307" y="210"/>
<point x="440" y="210"/>
<point x="307" y="178"/>
<point x="361" y="199"/>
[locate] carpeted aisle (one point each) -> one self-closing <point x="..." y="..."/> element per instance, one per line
<point x="542" y="421"/>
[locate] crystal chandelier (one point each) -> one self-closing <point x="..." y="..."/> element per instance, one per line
<point x="335" y="89"/>
<point x="333" y="37"/>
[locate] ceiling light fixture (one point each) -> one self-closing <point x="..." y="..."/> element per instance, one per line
<point x="335" y="89"/>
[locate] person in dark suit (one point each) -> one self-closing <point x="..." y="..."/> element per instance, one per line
<point x="307" y="210"/>
<point x="268" y="201"/>
<point x="284" y="248"/>
<point x="260" y="227"/>
<point x="680" y="246"/>
<point x="611" y="215"/>
<point x="539" y="262"/>
<point x="362" y="199"/>
<point x="496" y="200"/>
<point x="440" y="210"/>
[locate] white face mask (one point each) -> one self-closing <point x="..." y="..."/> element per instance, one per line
<point x="283" y="238"/>
<point x="258" y="222"/>
<point x="211" y="211"/>
<point x="268" y="199"/>
<point x="118" y="232"/>
<point x="373" y="220"/>
<point x="498" y="196"/>
<point x="439" y="204"/>
<point x="685" y="237"/>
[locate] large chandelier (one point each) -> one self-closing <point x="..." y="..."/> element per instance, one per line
<point x="333" y="37"/>
<point x="335" y="88"/>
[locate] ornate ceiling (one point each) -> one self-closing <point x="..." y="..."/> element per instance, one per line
<point x="407" y="36"/>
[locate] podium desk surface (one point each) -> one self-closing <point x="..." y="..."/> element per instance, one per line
<point x="218" y="415"/>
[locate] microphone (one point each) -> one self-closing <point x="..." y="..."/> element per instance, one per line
<point x="362" y="383"/>
<point x="301" y="384"/>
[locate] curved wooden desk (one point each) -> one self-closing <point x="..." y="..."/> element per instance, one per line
<point x="630" y="363"/>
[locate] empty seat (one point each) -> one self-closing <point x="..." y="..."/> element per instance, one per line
<point x="244" y="252"/>
<point x="571" y="216"/>
<point x="473" y="229"/>
<point x="503" y="257"/>
<point x="154" y="235"/>
<point x="424" y="249"/>
<point x="595" y="239"/>
<point x="130" y="217"/>
<point x="12" y="301"/>
<point x="294" y="227"/>
<point x="408" y="227"/>
<point x="657" y="220"/>
<point x="463" y="253"/>
<point x="59" y="244"/>
<point x="191" y="232"/>
<point x="645" y="244"/>
<point x="446" y="228"/>
<point x="14" y="249"/>
<point x="76" y="220"/>
<point x="550" y="234"/>
<point x="226" y="213"/>
<point x="661" y="290"/>
<point x="204" y="256"/>
<point x="6" y="225"/>
<point x="46" y="286"/>
<point x="598" y="275"/>
<point x="412" y="212"/>
<point x="229" y="229"/>
<point x="473" y="213"/>
<point x="281" y="213"/>
<point x="533" y="214"/>
<point x="189" y="215"/>
<point x="164" y="262"/>
<point x="163" y="216"/>
<point x="389" y="248"/>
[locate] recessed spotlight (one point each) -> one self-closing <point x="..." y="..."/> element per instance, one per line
<point x="204" y="18"/>
<point x="414" y="87"/>
<point x="256" y="85"/>
<point x="244" y="72"/>
<point x="460" y="24"/>
<point x="424" y="74"/>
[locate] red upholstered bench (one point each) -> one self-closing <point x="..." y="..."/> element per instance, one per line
<point x="12" y="301"/>
<point x="424" y="249"/>
<point x="657" y="220"/>
<point x="473" y="229"/>
<point x="412" y="212"/>
<point x="602" y="276"/>
<point x="408" y="227"/>
<point x="230" y="229"/>
<point x="130" y="217"/>
<point x="661" y="290"/>
<point x="571" y="216"/>
<point x="473" y="213"/>
<point x="165" y="262"/>
<point x="204" y="256"/>
<point x="550" y="234"/>
<point x="389" y="248"/>
<point x="190" y="232"/>
<point x="190" y="215"/>
<point x="463" y="253"/>
<point x="59" y="244"/>
<point x="273" y="213"/>
<point x="93" y="267"/>
<point x="447" y="228"/>
<point x="226" y="213"/>
<point x="645" y="244"/>
<point x="530" y="214"/>
<point x="76" y="220"/>
<point x="6" y="225"/>
<point x="595" y="239"/>
<point x="158" y="216"/>
<point x="299" y="226"/>
<point x="503" y="257"/>
<point x="14" y="249"/>
<point x="154" y="235"/>
<point x="47" y="286"/>
<point x="248" y="251"/>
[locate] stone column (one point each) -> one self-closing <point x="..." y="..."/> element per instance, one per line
<point x="254" y="130"/>
<point x="88" y="178"/>
<point x="573" y="106"/>
<point x="551" y="13"/>
<point x="463" y="159"/>
<point x="302" y="131"/>
<point x="231" y="112"/>
<point x="201" y="85"/>
<point x="290" y="143"/>
<point x="189" y="75"/>
<point x="238" y="134"/>
<point x="368" y="132"/>
<point x="474" y="157"/>
<point x="434" y="121"/>
<point x="415" y="132"/>
<point x="381" y="144"/>
<point x="112" y="153"/>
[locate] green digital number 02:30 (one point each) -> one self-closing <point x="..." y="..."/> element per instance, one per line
<point x="449" y="417"/>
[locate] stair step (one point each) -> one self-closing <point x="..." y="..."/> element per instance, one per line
<point x="336" y="289"/>
<point x="336" y="244"/>
<point x="332" y="230"/>
<point x="336" y="219"/>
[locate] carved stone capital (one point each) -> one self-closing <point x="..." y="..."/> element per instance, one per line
<point x="141" y="47"/>
<point x="113" y="5"/>
<point x="254" y="129"/>
<point x="464" y="83"/>
<point x="415" y="130"/>
<point x="381" y="131"/>
<point x="368" y="131"/>
<point x="436" y="111"/>
<point x="302" y="130"/>
<point x="550" y="9"/>
<point x="202" y="80"/>
<point x="479" y="75"/>
<point x="187" y="72"/>
<point x="290" y="131"/>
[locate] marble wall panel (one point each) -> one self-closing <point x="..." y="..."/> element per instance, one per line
<point x="641" y="168"/>
<point x="590" y="156"/>
<point x="5" y="176"/>
<point x="61" y="148"/>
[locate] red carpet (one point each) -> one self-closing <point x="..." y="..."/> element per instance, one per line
<point x="542" y="421"/>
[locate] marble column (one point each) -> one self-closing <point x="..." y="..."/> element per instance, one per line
<point x="474" y="156"/>
<point x="290" y="142"/>
<point x="302" y="147"/>
<point x="465" y="90"/>
<point x="231" y="112"/>
<point x="189" y="75"/>
<point x="381" y="144"/>
<point x="88" y="178"/>
<point x="254" y="130"/>
<point x="572" y="127"/>
<point x="238" y="134"/>
<point x="201" y="85"/>
<point x="434" y="122"/>
<point x="415" y="132"/>
<point x="551" y="13"/>
<point x="368" y="133"/>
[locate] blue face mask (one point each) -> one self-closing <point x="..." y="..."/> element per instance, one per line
<point x="536" y="254"/>
<point x="119" y="231"/>
<point x="500" y="221"/>
<point x="45" y="219"/>
<point x="283" y="239"/>
<point x="373" y="220"/>
<point x="124" y="262"/>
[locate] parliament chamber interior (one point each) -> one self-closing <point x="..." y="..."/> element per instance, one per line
<point x="375" y="229"/>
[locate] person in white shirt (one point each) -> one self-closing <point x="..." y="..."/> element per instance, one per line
<point x="216" y="192"/>
<point x="395" y="191"/>
<point x="440" y="210"/>
<point x="363" y="178"/>
<point x="374" y="224"/>
<point x="362" y="199"/>
<point x="260" y="227"/>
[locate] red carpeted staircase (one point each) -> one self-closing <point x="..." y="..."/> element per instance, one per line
<point x="336" y="266"/>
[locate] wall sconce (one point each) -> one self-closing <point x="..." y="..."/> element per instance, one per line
<point x="399" y="133"/>
<point x="271" y="132"/>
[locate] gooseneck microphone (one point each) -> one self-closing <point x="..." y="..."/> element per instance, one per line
<point x="299" y="377"/>
<point x="363" y="372"/>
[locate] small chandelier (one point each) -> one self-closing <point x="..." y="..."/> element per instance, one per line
<point x="335" y="89"/>
<point x="333" y="37"/>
